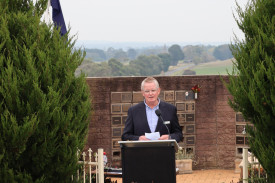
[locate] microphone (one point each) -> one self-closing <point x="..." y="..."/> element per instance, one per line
<point x="158" y="113"/>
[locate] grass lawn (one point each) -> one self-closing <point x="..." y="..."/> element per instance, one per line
<point x="214" y="68"/>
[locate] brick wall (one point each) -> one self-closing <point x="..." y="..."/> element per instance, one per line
<point x="215" y="145"/>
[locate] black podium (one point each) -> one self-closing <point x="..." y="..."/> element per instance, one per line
<point x="148" y="161"/>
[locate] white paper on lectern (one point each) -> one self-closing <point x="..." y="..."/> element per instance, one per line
<point x="152" y="136"/>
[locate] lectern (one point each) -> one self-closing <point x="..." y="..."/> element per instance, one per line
<point x="148" y="161"/>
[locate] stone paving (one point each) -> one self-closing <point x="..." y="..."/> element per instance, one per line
<point x="205" y="176"/>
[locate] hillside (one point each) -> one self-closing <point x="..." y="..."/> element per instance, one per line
<point x="209" y="68"/>
<point x="214" y="68"/>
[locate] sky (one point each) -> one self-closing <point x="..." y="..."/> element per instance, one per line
<point x="201" y="21"/>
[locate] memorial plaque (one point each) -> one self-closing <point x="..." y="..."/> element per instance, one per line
<point x="116" y="108"/>
<point x="190" y="107"/>
<point x="116" y="120"/>
<point x="161" y="95"/>
<point x="124" y="119"/>
<point x="240" y="128"/>
<point x="190" y="117"/>
<point x="180" y="106"/>
<point x="188" y="95"/>
<point x="191" y="95"/>
<point x="190" y="150"/>
<point x="126" y="97"/>
<point x="117" y="132"/>
<point x="240" y="140"/>
<point x="239" y="118"/>
<point x="180" y="95"/>
<point x="239" y="152"/>
<point x="115" y="143"/>
<point x="116" y="155"/>
<point x="190" y="128"/>
<point x="125" y="107"/>
<point x="137" y="97"/>
<point x="115" y="97"/>
<point x="190" y="140"/>
<point x="169" y="95"/>
<point x="181" y="118"/>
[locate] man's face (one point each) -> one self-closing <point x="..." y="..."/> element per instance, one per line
<point x="151" y="93"/>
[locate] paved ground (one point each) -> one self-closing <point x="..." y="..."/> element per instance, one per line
<point x="205" y="176"/>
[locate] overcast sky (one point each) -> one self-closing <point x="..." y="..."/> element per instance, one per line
<point x="200" y="21"/>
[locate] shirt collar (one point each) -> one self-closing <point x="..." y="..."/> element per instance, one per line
<point x="156" y="107"/>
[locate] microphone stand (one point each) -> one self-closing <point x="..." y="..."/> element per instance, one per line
<point x="164" y="122"/>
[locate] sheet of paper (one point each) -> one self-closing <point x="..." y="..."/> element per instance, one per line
<point x="152" y="136"/>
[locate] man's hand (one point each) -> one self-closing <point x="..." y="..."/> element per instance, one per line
<point x="143" y="138"/>
<point x="164" y="137"/>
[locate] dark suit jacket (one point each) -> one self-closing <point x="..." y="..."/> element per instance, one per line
<point x="137" y="124"/>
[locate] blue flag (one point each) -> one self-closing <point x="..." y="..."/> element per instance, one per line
<point x="58" y="18"/>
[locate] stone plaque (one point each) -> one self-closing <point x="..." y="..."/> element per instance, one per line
<point x="169" y="95"/>
<point x="239" y="128"/>
<point x="126" y="97"/>
<point x="190" y="117"/>
<point x="161" y="95"/>
<point x="190" y="96"/>
<point x="116" y="108"/>
<point x="190" y="107"/>
<point x="190" y="150"/>
<point x="239" y="151"/>
<point x="115" y="143"/>
<point x="115" y="97"/>
<point x="240" y="140"/>
<point x="124" y="119"/>
<point x="137" y="97"/>
<point x="239" y="118"/>
<point x="190" y="140"/>
<point x="179" y="95"/>
<point x="190" y="128"/>
<point x="116" y="120"/>
<point x="117" y="132"/>
<point x="181" y="118"/>
<point x="116" y="155"/>
<point x="180" y="106"/>
<point x="125" y="107"/>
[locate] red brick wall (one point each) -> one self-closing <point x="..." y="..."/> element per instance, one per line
<point x="214" y="119"/>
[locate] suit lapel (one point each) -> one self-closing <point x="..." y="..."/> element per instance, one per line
<point x="143" y="117"/>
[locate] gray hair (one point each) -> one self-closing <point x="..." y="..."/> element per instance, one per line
<point x="149" y="80"/>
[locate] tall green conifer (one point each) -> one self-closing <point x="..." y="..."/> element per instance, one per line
<point x="44" y="108"/>
<point x="252" y="82"/>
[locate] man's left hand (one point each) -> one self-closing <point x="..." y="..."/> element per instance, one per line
<point x="164" y="137"/>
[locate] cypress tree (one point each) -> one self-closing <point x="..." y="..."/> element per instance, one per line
<point x="252" y="80"/>
<point x="44" y="107"/>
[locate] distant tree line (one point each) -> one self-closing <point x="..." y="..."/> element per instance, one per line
<point x="147" y="61"/>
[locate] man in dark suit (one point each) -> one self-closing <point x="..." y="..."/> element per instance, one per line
<point x="142" y="118"/>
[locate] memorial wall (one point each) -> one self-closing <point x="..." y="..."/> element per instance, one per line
<point x="212" y="130"/>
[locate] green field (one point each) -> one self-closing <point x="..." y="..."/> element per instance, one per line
<point x="213" y="68"/>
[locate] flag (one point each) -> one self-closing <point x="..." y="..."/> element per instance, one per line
<point x="57" y="16"/>
<point x="46" y="17"/>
